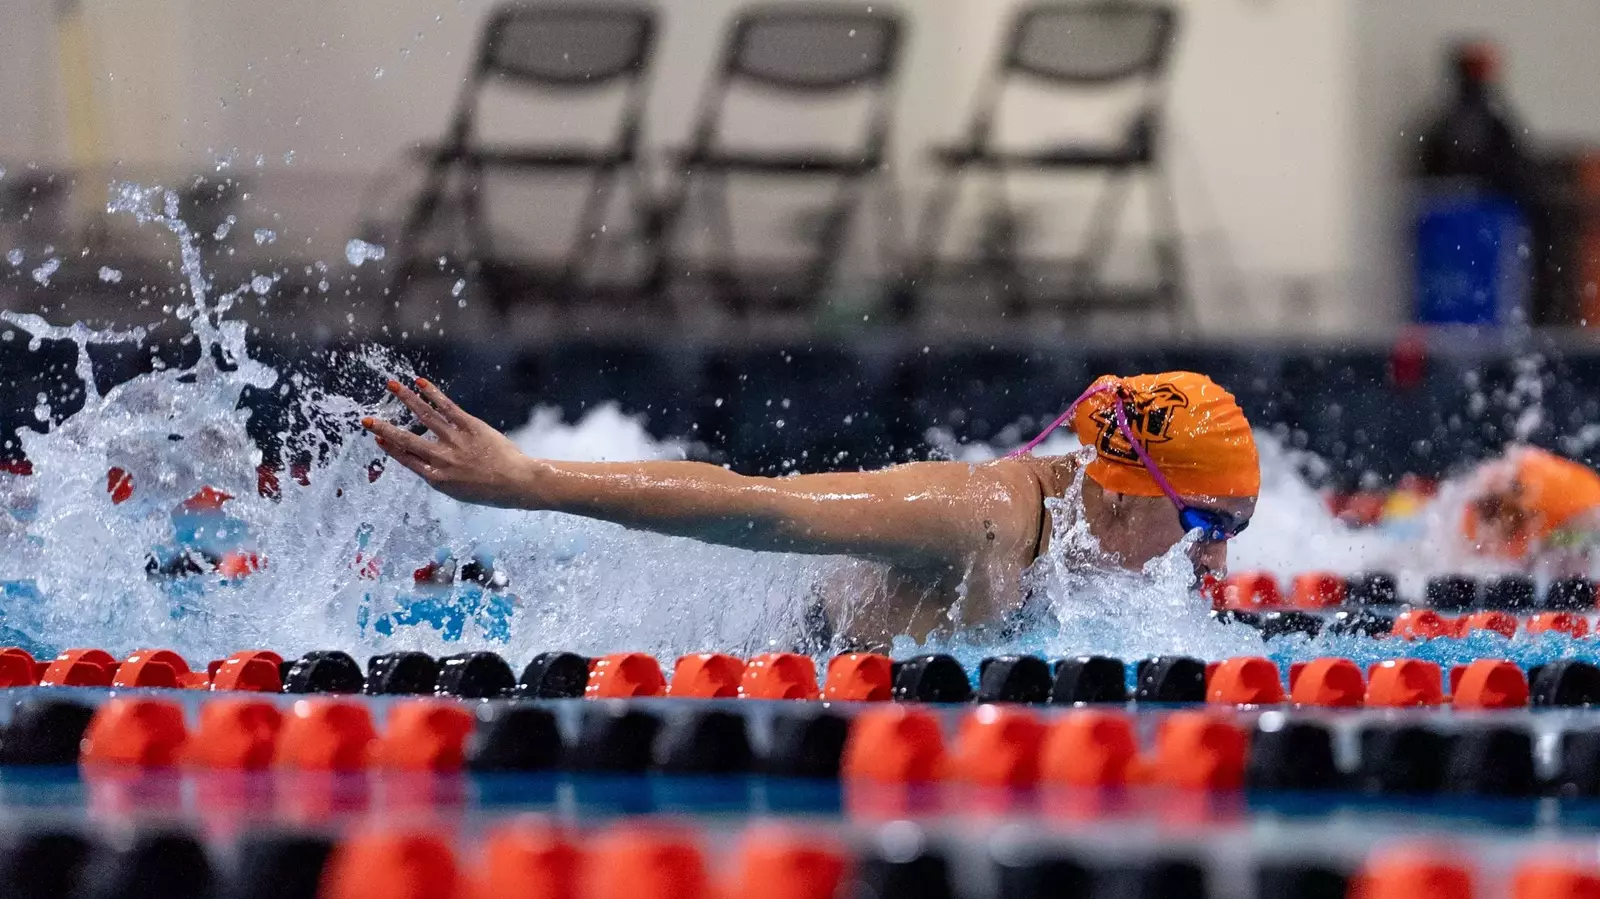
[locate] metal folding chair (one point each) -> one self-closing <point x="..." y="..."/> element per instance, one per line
<point x="800" y="52"/>
<point x="554" y="49"/>
<point x="1088" y="47"/>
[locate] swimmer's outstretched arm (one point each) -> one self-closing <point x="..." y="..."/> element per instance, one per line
<point x="919" y="515"/>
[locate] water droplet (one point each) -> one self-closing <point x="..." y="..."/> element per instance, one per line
<point x="378" y="72"/>
<point x="358" y="251"/>
<point x="262" y="283"/>
<point x="44" y="271"/>
<point x="15" y="257"/>
<point x="110" y="275"/>
<point x="265" y="236"/>
<point x="457" y="288"/>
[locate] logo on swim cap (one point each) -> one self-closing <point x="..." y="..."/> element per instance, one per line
<point x="1149" y="416"/>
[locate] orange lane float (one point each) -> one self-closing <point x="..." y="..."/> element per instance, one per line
<point x="706" y="675"/>
<point x="1245" y="680"/>
<point x="1405" y="683"/>
<point x="1089" y="749"/>
<point x="424" y="735"/>
<point x="998" y="746"/>
<point x="235" y="733"/>
<point x="1250" y="590"/>
<point x="625" y="675"/>
<point x="1317" y="590"/>
<point x="326" y="735"/>
<point x="859" y="677"/>
<point x="252" y="670"/>
<point x="894" y="744"/>
<point x="80" y="668"/>
<point x="158" y="668"/>
<point x="779" y="675"/>
<point x="1327" y="683"/>
<point x="1488" y="684"/>
<point x="145" y="733"/>
<point x="1199" y="751"/>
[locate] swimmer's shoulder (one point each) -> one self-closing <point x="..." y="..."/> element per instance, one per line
<point x="1052" y="474"/>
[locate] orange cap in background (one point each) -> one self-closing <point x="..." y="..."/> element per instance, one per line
<point x="1192" y="429"/>
<point x="1541" y="488"/>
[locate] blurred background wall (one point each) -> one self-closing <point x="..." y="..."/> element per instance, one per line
<point x="1288" y="123"/>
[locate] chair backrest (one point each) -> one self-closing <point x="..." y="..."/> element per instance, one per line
<point x="807" y="47"/>
<point x="567" y="45"/>
<point x="562" y="49"/>
<point x="809" y="51"/>
<point x="1094" y="43"/>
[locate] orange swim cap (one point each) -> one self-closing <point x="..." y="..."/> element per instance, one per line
<point x="1192" y="429"/>
<point x="1534" y="493"/>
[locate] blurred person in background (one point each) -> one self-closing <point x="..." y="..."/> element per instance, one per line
<point x="1536" y="509"/>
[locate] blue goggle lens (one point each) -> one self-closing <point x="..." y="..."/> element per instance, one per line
<point x="1214" y="526"/>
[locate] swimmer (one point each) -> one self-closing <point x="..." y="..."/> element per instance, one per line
<point x="1536" y="509"/>
<point x="1175" y="455"/>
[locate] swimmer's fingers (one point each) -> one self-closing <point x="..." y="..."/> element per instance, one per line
<point x="446" y="405"/>
<point x="392" y="438"/>
<point x="413" y="463"/>
<point x="429" y="416"/>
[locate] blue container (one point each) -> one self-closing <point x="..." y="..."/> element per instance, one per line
<point x="1472" y="259"/>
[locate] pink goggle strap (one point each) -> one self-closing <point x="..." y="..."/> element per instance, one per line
<point x="1122" y="426"/>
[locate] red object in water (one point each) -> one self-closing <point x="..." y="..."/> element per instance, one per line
<point x="119" y="484"/>
<point x="21" y="467"/>
<point x="238" y="564"/>
<point x="208" y="499"/>
<point x="1408" y="360"/>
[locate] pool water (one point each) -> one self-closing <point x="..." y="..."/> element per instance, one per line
<point x="332" y="559"/>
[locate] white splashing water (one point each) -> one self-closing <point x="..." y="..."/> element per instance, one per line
<point x="358" y="251"/>
<point x="340" y="549"/>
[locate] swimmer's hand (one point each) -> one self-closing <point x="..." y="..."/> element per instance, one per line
<point x="465" y="459"/>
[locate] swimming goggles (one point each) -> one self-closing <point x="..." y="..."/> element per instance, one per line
<point x="1214" y="525"/>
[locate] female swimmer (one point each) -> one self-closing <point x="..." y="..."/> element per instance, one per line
<point x="1175" y="455"/>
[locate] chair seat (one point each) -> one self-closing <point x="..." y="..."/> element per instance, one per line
<point x="1064" y="156"/>
<point x="546" y="157"/>
<point x="780" y="162"/>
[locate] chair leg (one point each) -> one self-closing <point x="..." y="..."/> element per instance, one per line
<point x="584" y="239"/>
<point x="421" y="215"/>
<point x="660" y="217"/>
<point x="719" y="221"/>
<point x="830" y="241"/>
<point x="1168" y="245"/>
<point x="907" y="300"/>
<point x="1103" y="222"/>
